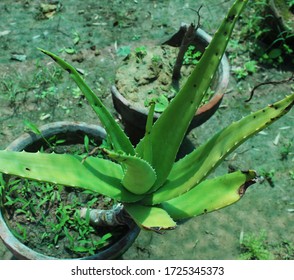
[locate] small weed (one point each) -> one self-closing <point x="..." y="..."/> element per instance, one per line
<point x="42" y="83"/>
<point x="161" y="102"/>
<point x="284" y="250"/>
<point x="156" y="59"/>
<point x="48" y="92"/>
<point x="191" y="56"/>
<point x="77" y="94"/>
<point x="52" y="142"/>
<point x="286" y="150"/>
<point x="140" y="52"/>
<point x="254" y="247"/>
<point x="248" y="68"/>
<point x="46" y="76"/>
<point x="20" y="233"/>
<point x="268" y="176"/>
<point x="10" y="87"/>
<point x="208" y="95"/>
<point x="136" y="37"/>
<point x="123" y="51"/>
<point x="76" y="38"/>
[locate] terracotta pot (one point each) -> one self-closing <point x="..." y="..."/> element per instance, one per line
<point x="134" y="118"/>
<point x="73" y="133"/>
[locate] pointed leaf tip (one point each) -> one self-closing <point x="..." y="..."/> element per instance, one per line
<point x="210" y="195"/>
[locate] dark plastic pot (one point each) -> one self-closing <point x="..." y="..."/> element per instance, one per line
<point x="73" y="133"/>
<point x="134" y="118"/>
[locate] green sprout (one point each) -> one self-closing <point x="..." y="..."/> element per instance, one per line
<point x="191" y="56"/>
<point x="140" y="52"/>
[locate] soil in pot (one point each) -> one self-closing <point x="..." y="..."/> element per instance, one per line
<point x="146" y="74"/>
<point x="46" y="217"/>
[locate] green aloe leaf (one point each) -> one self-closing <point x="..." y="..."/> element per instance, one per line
<point x="139" y="176"/>
<point x="147" y="151"/>
<point x="210" y="195"/>
<point x="118" y="138"/>
<point x="150" y="218"/>
<point x="192" y="169"/>
<point x="174" y="121"/>
<point x="95" y="174"/>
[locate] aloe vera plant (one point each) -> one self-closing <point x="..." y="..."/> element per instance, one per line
<point x="155" y="190"/>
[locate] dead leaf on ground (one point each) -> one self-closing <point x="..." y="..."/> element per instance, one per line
<point x="5" y="32"/>
<point x="49" y="10"/>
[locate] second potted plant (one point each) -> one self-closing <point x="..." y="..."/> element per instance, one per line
<point x="158" y="72"/>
